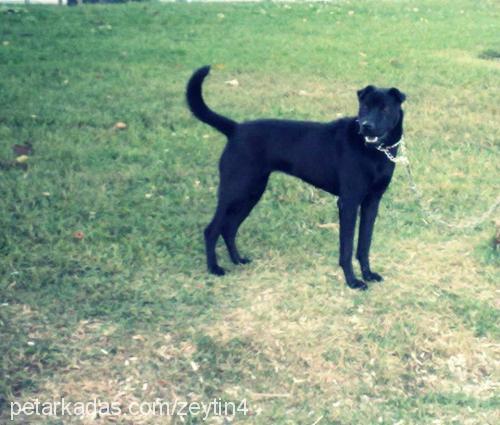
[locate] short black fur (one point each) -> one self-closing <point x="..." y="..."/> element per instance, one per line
<point x="339" y="157"/>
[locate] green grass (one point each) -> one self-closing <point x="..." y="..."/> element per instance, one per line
<point x="129" y="313"/>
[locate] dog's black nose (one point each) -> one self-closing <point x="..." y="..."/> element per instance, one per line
<point x="367" y="126"/>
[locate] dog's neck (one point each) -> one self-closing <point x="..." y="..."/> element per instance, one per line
<point x="395" y="135"/>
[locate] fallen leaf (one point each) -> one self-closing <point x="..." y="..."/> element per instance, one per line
<point x="328" y="225"/>
<point x="22" y="159"/>
<point x="120" y="125"/>
<point x="138" y="337"/>
<point x="79" y="235"/>
<point x="233" y="83"/>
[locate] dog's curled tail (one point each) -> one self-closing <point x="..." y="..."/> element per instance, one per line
<point x="200" y="109"/>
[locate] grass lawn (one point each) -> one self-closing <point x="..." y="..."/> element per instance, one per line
<point x="103" y="288"/>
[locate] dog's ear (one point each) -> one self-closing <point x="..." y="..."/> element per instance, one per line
<point x="363" y="92"/>
<point x="399" y="95"/>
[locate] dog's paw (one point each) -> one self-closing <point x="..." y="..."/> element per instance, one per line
<point x="245" y="260"/>
<point x="357" y="284"/>
<point x="217" y="271"/>
<point x="372" y="277"/>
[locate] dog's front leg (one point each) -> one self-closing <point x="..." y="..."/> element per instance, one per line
<point x="369" y="210"/>
<point x="348" y="210"/>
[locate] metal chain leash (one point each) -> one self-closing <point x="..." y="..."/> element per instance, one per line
<point x="428" y="213"/>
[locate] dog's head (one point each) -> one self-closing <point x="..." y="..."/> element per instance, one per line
<point x="379" y="113"/>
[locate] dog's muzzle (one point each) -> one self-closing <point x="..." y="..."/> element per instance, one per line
<point x="366" y="129"/>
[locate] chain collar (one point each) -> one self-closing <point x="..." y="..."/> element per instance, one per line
<point x="399" y="159"/>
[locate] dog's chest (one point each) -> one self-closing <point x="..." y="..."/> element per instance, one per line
<point x="381" y="176"/>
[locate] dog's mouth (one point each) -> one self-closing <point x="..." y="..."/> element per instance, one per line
<point x="371" y="140"/>
<point x="374" y="141"/>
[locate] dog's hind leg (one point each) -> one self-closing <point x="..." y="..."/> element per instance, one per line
<point x="240" y="188"/>
<point x="227" y="193"/>
<point x="237" y="212"/>
<point x="212" y="233"/>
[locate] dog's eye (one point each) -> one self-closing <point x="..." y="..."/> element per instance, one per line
<point x="386" y="109"/>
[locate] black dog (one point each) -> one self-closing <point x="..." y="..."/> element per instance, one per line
<point x="340" y="157"/>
